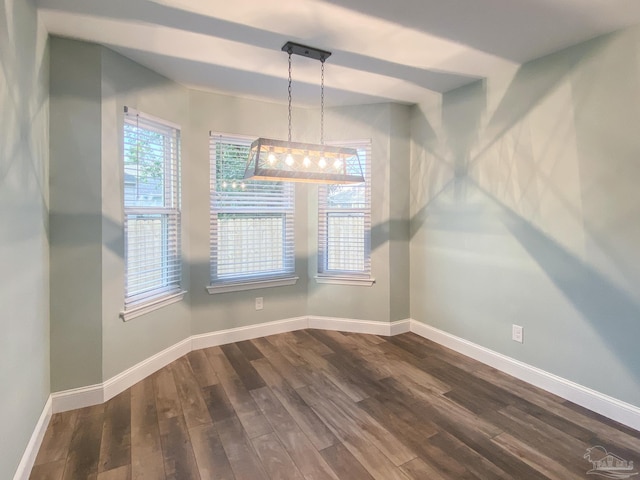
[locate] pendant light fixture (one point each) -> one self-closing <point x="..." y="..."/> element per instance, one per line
<point x="278" y="160"/>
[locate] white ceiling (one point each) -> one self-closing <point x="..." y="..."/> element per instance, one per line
<point x="382" y="50"/>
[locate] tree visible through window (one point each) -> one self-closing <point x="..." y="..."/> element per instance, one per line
<point x="251" y="221"/>
<point x="151" y="209"/>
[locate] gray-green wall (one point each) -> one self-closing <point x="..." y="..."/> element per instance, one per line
<point x="523" y="208"/>
<point x="125" y="83"/>
<point x="224" y="114"/>
<point x="89" y="88"/>
<point x="24" y="223"/>
<point x="388" y="128"/>
<point x="399" y="212"/>
<point x="76" y="202"/>
<point x="90" y="85"/>
<point x="526" y="210"/>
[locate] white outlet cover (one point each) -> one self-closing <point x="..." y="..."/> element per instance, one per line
<point x="259" y="303"/>
<point x="517" y="333"/>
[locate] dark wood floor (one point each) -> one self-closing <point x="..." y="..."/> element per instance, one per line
<point x="325" y="405"/>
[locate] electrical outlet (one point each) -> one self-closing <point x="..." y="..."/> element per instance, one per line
<point x="517" y="333"/>
<point x="259" y="303"/>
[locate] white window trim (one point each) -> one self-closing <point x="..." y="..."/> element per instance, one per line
<point x="226" y="287"/>
<point x="149" y="305"/>
<point x="344" y="278"/>
<point x="134" y="306"/>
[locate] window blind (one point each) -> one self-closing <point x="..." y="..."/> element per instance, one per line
<point x="344" y="223"/>
<point x="153" y="264"/>
<point x="251" y="221"/>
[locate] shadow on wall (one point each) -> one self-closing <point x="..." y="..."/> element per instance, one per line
<point x="612" y="312"/>
<point x="465" y="121"/>
<point x="432" y="165"/>
<point x="22" y="160"/>
<point x="467" y="213"/>
<point x="462" y="113"/>
<point x="532" y="82"/>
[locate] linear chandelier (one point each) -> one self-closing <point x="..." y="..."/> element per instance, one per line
<point x="278" y="160"/>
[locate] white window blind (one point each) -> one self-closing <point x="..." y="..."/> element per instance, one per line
<point x="153" y="261"/>
<point x="344" y="223"/>
<point x="251" y="221"/>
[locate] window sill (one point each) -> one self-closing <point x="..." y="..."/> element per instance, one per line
<point x="355" y="281"/>
<point x="251" y="285"/>
<point x="149" y="306"/>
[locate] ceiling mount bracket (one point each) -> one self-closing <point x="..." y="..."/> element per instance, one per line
<point x="306" y="51"/>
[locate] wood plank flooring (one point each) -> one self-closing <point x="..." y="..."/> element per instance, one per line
<point x="327" y="405"/>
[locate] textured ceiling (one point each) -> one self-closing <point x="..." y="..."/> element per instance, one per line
<point x="382" y="50"/>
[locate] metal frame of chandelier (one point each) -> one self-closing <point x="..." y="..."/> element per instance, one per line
<point x="279" y="160"/>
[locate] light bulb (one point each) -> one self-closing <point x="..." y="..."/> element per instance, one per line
<point x="322" y="163"/>
<point x="337" y="164"/>
<point x="224" y="184"/>
<point x="289" y="159"/>
<point x="306" y="162"/>
<point x="271" y="158"/>
<point x="233" y="185"/>
<point x="242" y="185"/>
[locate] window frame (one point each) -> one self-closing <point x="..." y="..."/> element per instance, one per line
<point x="346" y="277"/>
<point x="255" y="280"/>
<point x="141" y="302"/>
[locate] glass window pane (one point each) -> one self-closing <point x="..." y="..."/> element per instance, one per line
<point x="251" y="221"/>
<point x="249" y="244"/>
<point x="145" y="254"/>
<point x="344" y="223"/>
<point x="153" y="261"/>
<point x="345" y="242"/>
<point x="144" y="167"/>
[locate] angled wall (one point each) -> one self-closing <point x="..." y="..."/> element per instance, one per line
<point x="75" y="217"/>
<point x="388" y="127"/>
<point x="126" y="83"/>
<point x="90" y="85"/>
<point x="525" y="206"/>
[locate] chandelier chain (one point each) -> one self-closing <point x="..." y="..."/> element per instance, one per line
<point x="322" y="102"/>
<point x="276" y="160"/>
<point x="290" y="52"/>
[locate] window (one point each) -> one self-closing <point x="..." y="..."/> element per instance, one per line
<point x="251" y="222"/>
<point x="153" y="264"/>
<point x="344" y="227"/>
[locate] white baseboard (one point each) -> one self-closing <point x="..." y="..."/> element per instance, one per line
<point x="358" y="326"/>
<point x="29" y="456"/>
<point x="77" y="398"/>
<point x="401" y="326"/>
<point x="610" y="407"/>
<point x="223" y="337"/>
<point x="95" y="394"/>
<point x="142" y="370"/>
